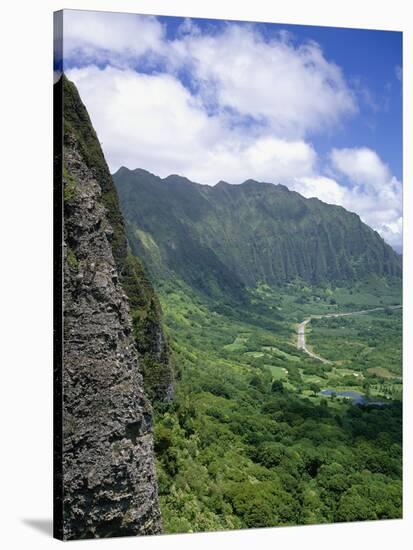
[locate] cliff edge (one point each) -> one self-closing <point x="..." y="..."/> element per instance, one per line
<point x="109" y="482"/>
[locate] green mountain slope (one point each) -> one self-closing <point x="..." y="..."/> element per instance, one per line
<point x="224" y="238"/>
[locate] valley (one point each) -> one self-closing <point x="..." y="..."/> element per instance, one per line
<point x="252" y="423"/>
<point x="301" y="328"/>
<point x="241" y="346"/>
<point x="262" y="432"/>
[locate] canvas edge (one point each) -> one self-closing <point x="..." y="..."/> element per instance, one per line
<point x="57" y="276"/>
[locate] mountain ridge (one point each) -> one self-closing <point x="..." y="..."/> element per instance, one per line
<point x="228" y="237"/>
<point x="222" y="184"/>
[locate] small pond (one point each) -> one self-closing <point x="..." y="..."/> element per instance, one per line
<point x="355" y="397"/>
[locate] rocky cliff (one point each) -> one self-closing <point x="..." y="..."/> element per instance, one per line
<point x="109" y="482"/>
<point x="144" y="304"/>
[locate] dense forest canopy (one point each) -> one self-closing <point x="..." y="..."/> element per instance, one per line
<point x="251" y="442"/>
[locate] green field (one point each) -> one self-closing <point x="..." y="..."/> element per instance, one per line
<point x="366" y="351"/>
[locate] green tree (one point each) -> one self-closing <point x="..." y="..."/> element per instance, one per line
<point x="277" y="386"/>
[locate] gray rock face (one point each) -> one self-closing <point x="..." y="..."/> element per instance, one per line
<point x="153" y="348"/>
<point x="109" y="477"/>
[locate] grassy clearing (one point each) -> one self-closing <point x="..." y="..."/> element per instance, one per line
<point x="278" y="373"/>
<point x="280" y="353"/>
<point x="381" y="372"/>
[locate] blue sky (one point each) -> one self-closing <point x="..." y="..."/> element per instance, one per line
<point x="372" y="62"/>
<point x="316" y="108"/>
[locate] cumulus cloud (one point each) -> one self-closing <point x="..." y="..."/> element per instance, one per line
<point x="321" y="187"/>
<point x="118" y="38"/>
<point x="294" y="89"/>
<point x="228" y="104"/>
<point x="362" y="166"/>
<point x="153" y="121"/>
<point x="362" y="184"/>
<point x="376" y="194"/>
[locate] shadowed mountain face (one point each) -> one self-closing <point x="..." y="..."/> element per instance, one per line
<point x="224" y="238"/>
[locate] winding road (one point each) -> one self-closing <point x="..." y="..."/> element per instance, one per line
<point x="301" y="328"/>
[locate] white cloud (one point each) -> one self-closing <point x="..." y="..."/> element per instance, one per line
<point x="292" y="90"/>
<point x="321" y="187"/>
<point x="144" y="121"/>
<point x="152" y="121"/>
<point x="248" y="112"/>
<point x="116" y="37"/>
<point x="392" y="233"/>
<point x="361" y="165"/>
<point x="265" y="159"/>
<point x="370" y="190"/>
<point x="295" y="90"/>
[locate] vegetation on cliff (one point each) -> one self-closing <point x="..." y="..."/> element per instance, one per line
<point x="106" y="473"/>
<point x="145" y="308"/>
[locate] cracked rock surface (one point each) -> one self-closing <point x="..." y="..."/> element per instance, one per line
<point x="109" y="479"/>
